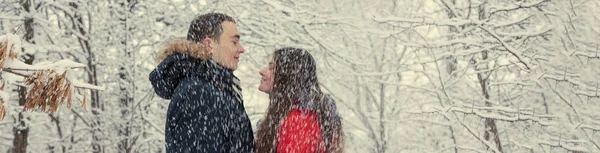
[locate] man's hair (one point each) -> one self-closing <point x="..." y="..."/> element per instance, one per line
<point x="207" y="26"/>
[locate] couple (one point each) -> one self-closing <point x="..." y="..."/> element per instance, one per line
<point x="206" y="113"/>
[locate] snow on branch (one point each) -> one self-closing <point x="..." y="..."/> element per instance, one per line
<point x="507" y="116"/>
<point x="510" y="49"/>
<point x="426" y="21"/>
<point x="526" y="34"/>
<point x="583" y="89"/>
<point x="495" y="9"/>
<point x="48" y="84"/>
<point x="473" y="133"/>
<point x="497" y="112"/>
<point x="570" y="146"/>
<point x="510" y="22"/>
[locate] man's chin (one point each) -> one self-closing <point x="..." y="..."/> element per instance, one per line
<point x="230" y="66"/>
<point x="233" y="67"/>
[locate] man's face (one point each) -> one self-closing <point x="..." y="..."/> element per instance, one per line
<point x="228" y="49"/>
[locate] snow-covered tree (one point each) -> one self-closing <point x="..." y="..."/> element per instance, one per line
<point x="509" y="74"/>
<point x="47" y="84"/>
<point x="408" y="76"/>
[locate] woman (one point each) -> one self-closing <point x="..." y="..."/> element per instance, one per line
<point x="300" y="118"/>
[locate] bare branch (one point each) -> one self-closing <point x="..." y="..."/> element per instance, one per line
<point x="485" y="142"/>
<point x="508" y="47"/>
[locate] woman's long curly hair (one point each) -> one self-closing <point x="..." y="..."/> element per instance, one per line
<point x="295" y="80"/>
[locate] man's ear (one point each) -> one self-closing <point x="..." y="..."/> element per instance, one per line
<point x="207" y="42"/>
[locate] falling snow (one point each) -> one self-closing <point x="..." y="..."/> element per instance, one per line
<point x="394" y="76"/>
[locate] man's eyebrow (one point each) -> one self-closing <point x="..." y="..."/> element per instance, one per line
<point x="236" y="36"/>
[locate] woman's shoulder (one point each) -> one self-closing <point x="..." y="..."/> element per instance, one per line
<point x="300" y="113"/>
<point x="299" y="132"/>
<point x="300" y="120"/>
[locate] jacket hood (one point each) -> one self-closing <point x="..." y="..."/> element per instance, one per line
<point x="194" y="49"/>
<point x="181" y="59"/>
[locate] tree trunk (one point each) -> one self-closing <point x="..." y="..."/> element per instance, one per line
<point x="126" y="84"/>
<point x="451" y="65"/>
<point x="56" y="120"/>
<point x="491" y="130"/>
<point x="21" y="132"/>
<point x="92" y="78"/>
<point x="21" y="128"/>
<point x="382" y="118"/>
<point x="382" y="136"/>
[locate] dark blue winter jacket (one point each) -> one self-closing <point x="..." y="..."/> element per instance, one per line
<point x="206" y="113"/>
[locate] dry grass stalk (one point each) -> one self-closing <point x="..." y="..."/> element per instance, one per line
<point x="83" y="103"/>
<point x="13" y="55"/>
<point x="47" y="91"/>
<point x="3" y="52"/>
<point x="2" y="108"/>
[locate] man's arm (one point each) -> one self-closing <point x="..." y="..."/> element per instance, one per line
<point x="198" y="120"/>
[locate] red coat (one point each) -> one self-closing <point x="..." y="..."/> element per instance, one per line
<point x="299" y="132"/>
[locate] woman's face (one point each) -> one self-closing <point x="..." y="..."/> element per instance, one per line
<point x="266" y="82"/>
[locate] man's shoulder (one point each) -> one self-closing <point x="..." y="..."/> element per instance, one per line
<point x="195" y="85"/>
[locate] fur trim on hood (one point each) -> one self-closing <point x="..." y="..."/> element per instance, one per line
<point x="182" y="46"/>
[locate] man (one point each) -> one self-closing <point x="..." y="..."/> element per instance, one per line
<point x="206" y="113"/>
